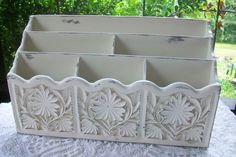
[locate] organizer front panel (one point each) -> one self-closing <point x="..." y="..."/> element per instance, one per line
<point x="108" y="110"/>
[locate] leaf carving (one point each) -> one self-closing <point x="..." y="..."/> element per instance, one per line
<point x="43" y="108"/>
<point x="183" y="117"/>
<point x="111" y="111"/>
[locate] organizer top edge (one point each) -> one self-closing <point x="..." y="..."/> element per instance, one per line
<point x="112" y="16"/>
<point x="117" y="34"/>
<point x="37" y="79"/>
<point x="211" y="58"/>
<point x="69" y="19"/>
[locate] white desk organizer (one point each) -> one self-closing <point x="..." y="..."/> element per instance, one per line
<point x="128" y="79"/>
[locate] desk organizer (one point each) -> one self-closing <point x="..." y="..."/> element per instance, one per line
<point x="127" y="79"/>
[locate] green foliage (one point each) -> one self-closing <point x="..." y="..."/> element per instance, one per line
<point x="227" y="89"/>
<point x="228" y="32"/>
<point x="188" y="7"/>
<point x="96" y="7"/>
<point x="160" y="8"/>
<point x="13" y="16"/>
<point x="180" y="8"/>
<point x="129" y="8"/>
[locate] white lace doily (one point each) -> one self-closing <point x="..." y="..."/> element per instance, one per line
<point x="222" y="144"/>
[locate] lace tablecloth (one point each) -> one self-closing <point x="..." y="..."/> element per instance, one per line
<point x="222" y="144"/>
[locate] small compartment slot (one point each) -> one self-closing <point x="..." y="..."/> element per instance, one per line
<point x="157" y="45"/>
<point x="119" y="24"/>
<point x="125" y="69"/>
<point x="56" y="66"/>
<point x="68" y="42"/>
<point x="197" y="73"/>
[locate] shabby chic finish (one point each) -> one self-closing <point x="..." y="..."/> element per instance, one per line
<point x="72" y="78"/>
<point x="120" y="24"/>
<point x="118" y="44"/>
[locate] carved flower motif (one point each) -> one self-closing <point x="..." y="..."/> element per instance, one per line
<point x="29" y="122"/>
<point x="63" y="123"/>
<point x="44" y="102"/>
<point x="193" y="134"/>
<point x="108" y="106"/>
<point x="128" y="129"/>
<point x="88" y="127"/>
<point x="177" y="110"/>
<point x="153" y="131"/>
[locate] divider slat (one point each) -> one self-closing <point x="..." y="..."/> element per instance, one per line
<point x="68" y="42"/>
<point x="161" y="71"/>
<point x="157" y="45"/>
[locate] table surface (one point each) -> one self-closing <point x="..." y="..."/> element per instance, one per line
<point x="222" y="143"/>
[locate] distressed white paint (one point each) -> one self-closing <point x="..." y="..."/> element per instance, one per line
<point x="68" y="42"/>
<point x="157" y="45"/>
<point x="120" y="24"/>
<point x="120" y="44"/>
<point x="77" y="76"/>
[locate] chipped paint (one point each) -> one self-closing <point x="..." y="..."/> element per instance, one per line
<point x="175" y="39"/>
<point x="71" y="21"/>
<point x="29" y="56"/>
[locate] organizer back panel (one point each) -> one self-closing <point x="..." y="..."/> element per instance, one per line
<point x="116" y="24"/>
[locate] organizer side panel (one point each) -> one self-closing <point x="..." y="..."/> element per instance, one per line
<point x="211" y="118"/>
<point x="13" y="95"/>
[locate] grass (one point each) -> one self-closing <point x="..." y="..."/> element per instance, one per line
<point x="227" y="87"/>
<point x="226" y="53"/>
<point x="226" y="46"/>
<point x="225" y="50"/>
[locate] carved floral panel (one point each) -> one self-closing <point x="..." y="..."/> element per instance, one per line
<point x="108" y="112"/>
<point x="44" y="108"/>
<point x="177" y="117"/>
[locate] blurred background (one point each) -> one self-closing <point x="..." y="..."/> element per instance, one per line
<point x="14" y="15"/>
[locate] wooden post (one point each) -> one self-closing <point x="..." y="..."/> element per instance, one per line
<point x="217" y="19"/>
<point x="144" y="5"/>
